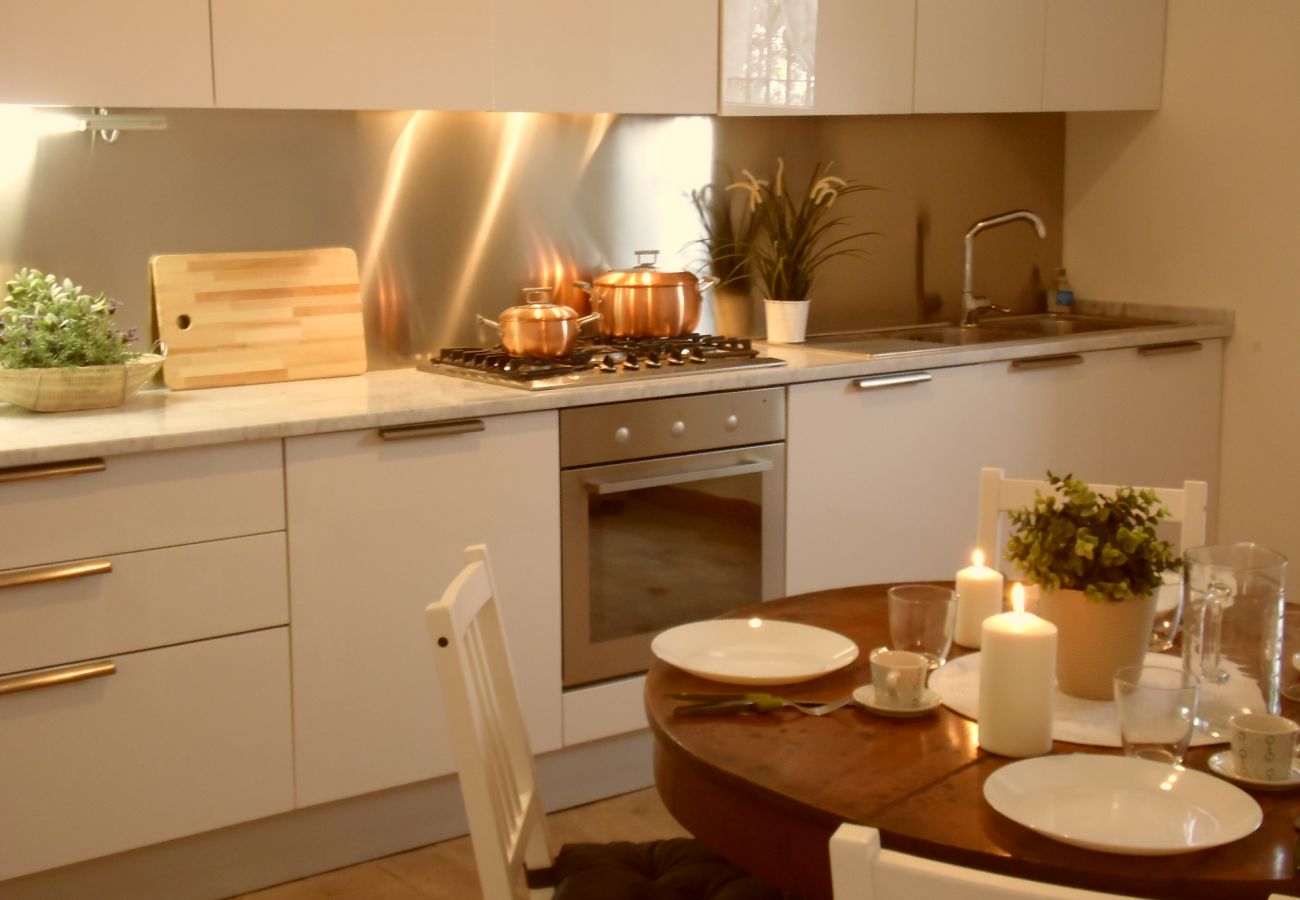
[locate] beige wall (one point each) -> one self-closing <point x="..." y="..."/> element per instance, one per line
<point x="1199" y="204"/>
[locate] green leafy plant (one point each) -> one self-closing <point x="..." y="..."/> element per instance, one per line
<point x="729" y="229"/>
<point x="47" y="323"/>
<point x="795" y="230"/>
<point x="1104" y="545"/>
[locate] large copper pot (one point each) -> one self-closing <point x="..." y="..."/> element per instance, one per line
<point x="645" y="302"/>
<point x="539" y="328"/>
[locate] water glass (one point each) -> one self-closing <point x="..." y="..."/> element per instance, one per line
<point x="1169" y="613"/>
<point x="1156" y="706"/>
<point x="921" y="619"/>
<point x="1291" y="651"/>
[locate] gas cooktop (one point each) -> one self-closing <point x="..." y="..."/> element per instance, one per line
<point x="601" y="361"/>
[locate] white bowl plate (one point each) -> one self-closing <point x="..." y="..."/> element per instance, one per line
<point x="754" y="651"/>
<point x="1122" y="805"/>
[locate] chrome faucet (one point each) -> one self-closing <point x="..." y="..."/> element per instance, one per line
<point x="971" y="307"/>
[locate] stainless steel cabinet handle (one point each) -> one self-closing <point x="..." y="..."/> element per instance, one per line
<point x="883" y="381"/>
<point x="431" y="429"/>
<point x="1046" y="362"/>
<point x="1166" y="349"/>
<point x="58" y="572"/>
<point x="52" y="470"/>
<point x="62" y="675"/>
<point x="604" y="486"/>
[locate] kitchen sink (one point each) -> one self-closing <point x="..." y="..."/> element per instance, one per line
<point x="994" y="329"/>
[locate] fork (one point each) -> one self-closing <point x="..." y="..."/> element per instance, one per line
<point x="821" y="709"/>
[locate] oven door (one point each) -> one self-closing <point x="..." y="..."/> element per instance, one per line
<point x="655" y="543"/>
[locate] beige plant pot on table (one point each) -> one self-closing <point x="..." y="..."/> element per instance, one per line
<point x="1097" y="637"/>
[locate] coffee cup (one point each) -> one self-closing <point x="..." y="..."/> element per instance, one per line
<point x="1264" y="746"/>
<point x="898" y="677"/>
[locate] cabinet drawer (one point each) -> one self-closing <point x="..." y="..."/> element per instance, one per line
<point x="177" y="741"/>
<point x="142" y="501"/>
<point x="50" y="615"/>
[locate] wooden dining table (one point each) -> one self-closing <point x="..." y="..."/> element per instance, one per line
<point x="767" y="791"/>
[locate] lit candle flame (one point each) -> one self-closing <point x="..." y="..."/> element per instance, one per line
<point x="1018" y="597"/>
<point x="977" y="559"/>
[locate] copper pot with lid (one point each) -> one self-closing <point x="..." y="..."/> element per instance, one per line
<point x="645" y="302"/>
<point x="539" y="328"/>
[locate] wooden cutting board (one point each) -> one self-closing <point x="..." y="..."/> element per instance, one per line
<point x="250" y="318"/>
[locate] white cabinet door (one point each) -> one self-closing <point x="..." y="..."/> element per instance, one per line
<point x="605" y="56"/>
<point x="377" y="529"/>
<point x="1104" y="54"/>
<point x="979" y="55"/>
<point x="883" y="480"/>
<point x="94" y="53"/>
<point x="861" y="60"/>
<point x="347" y="54"/>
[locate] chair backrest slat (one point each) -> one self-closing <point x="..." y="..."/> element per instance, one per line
<point x="497" y="776"/>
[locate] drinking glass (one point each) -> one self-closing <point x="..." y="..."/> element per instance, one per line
<point x="1291" y="652"/>
<point x="1157" y="711"/>
<point x="921" y="619"/>
<point x="1169" y="613"/>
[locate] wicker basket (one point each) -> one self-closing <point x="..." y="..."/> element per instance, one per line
<point x="83" y="387"/>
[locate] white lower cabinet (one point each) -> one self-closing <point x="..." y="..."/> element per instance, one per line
<point x="379" y="520"/>
<point x="175" y="741"/>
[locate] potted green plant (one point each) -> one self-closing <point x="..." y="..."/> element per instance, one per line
<point x="729" y="228"/>
<point x="59" y="349"/>
<point x="794" y="237"/>
<point x="1099" y="563"/>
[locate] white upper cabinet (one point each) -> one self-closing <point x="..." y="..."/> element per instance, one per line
<point x="1104" y="54"/>
<point x="605" y="56"/>
<point x="979" y="55"/>
<point x="93" y="53"/>
<point x="817" y="57"/>
<point x="345" y="54"/>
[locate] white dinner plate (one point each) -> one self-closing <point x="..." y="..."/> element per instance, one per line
<point x="1122" y="805"/>
<point x="754" y="651"/>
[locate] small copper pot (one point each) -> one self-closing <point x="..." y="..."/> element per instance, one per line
<point x="645" y="302"/>
<point x="539" y="328"/>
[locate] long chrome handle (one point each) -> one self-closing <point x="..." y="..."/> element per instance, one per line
<point x="607" y="486"/>
<point x="1046" y="362"/>
<point x="1166" y="349"/>
<point x="883" y="381"/>
<point x="52" y="470"/>
<point x="431" y="429"/>
<point x="58" y="572"/>
<point x="62" y="675"/>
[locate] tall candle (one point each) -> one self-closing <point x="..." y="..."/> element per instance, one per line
<point x="979" y="595"/>
<point x="1017" y="674"/>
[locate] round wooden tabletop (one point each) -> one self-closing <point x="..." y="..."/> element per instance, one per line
<point x="767" y="791"/>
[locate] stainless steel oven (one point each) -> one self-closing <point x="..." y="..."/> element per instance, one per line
<point x="672" y="511"/>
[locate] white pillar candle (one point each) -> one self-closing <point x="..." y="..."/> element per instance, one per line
<point x="979" y="595"/>
<point x="1017" y="682"/>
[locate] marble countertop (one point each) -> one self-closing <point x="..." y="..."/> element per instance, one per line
<point x="159" y="419"/>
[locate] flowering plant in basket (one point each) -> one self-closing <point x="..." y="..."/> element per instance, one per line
<point x="47" y="323"/>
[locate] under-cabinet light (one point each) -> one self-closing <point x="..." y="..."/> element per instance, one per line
<point x="108" y="125"/>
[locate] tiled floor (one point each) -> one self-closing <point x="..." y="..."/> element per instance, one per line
<point x="446" y="871"/>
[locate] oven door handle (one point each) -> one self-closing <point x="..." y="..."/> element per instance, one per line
<point x="607" y="486"/>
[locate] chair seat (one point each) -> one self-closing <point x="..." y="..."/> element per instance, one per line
<point x="676" y="869"/>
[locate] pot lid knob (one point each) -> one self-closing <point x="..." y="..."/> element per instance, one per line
<point x="642" y="264"/>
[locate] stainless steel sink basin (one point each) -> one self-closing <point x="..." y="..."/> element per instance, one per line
<point x="995" y="329"/>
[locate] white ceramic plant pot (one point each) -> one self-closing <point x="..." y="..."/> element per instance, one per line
<point x="787" y="320"/>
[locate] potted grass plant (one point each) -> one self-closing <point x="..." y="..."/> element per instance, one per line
<point x="796" y="233"/>
<point x="1099" y="563"/>
<point x="60" y="349"/>
<point x="729" y="228"/>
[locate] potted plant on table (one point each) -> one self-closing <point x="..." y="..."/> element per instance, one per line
<point x="59" y="349"/>
<point x="794" y="238"/>
<point x="1099" y="564"/>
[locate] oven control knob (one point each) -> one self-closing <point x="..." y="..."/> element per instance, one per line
<point x="679" y="428"/>
<point x="622" y="435"/>
<point x="731" y="422"/>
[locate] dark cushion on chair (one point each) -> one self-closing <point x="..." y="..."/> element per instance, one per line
<point x="678" y="869"/>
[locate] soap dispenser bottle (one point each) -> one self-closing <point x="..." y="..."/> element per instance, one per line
<point x="1063" y="296"/>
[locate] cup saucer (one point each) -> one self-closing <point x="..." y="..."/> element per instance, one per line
<point x="1223" y="764"/>
<point x="866" y="697"/>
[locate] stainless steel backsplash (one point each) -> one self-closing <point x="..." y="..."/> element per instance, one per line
<point x="451" y="214"/>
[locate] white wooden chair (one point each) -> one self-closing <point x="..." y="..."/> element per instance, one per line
<point x="999" y="494"/>
<point x="499" y="782"/>
<point x="862" y="870"/>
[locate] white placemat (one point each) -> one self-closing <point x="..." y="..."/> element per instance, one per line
<point x="1076" y="720"/>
